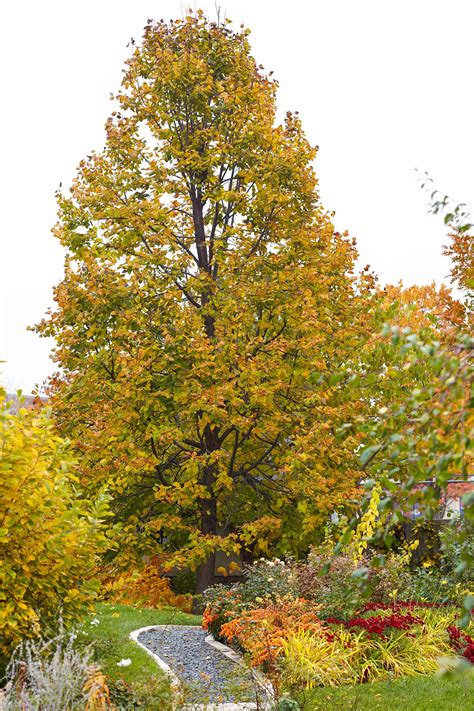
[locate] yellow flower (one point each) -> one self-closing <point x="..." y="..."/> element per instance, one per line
<point x="367" y="524"/>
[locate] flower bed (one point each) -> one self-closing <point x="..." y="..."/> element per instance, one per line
<point x="300" y="643"/>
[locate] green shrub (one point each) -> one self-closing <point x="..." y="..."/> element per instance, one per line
<point x="457" y="547"/>
<point x="392" y="579"/>
<point x="432" y="585"/>
<point x="448" y="579"/>
<point x="269" y="580"/>
<point x="184" y="582"/>
<point x="152" y="694"/>
<point x="330" y="582"/>
<point x="287" y="705"/>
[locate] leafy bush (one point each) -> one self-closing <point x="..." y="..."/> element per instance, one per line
<point x="391" y="580"/>
<point x="261" y="631"/>
<point x="152" y="694"/>
<point x="267" y="581"/>
<point x="432" y="585"/>
<point x="145" y="588"/>
<point x="330" y="583"/>
<point x="222" y="604"/>
<point x="50" y="538"/>
<point x="457" y="546"/>
<point x="449" y="578"/>
<point x="341" y="588"/>
<point x="184" y="582"/>
<point x="286" y="704"/>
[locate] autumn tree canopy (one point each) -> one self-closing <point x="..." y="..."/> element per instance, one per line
<point x="206" y="305"/>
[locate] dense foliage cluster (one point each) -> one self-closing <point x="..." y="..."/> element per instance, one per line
<point x="222" y="364"/>
<point x="50" y="536"/>
<point x="144" y="587"/>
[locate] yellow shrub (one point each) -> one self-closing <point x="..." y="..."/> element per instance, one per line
<point x="146" y="587"/>
<point x="404" y="654"/>
<point x="97" y="691"/>
<point x="49" y="537"/>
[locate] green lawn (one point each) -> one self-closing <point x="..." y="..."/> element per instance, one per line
<point x="409" y="694"/>
<point x="110" y="636"/>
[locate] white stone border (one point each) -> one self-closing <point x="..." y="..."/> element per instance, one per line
<point x="173" y="679"/>
<point x="224" y="650"/>
<point x="231" y="654"/>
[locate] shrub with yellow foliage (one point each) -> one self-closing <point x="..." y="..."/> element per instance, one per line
<point x="50" y="538"/>
<point x="146" y="588"/>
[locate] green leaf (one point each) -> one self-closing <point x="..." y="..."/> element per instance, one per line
<point x="368" y="454"/>
<point x="336" y="378"/>
<point x="468" y="602"/>
<point x="361" y="572"/>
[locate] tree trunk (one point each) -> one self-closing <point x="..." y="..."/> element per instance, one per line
<point x="204" y="580"/>
<point x="205" y="572"/>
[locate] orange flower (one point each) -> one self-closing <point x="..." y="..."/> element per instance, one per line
<point x="261" y="632"/>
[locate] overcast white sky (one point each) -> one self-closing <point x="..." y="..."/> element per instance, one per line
<point x="382" y="88"/>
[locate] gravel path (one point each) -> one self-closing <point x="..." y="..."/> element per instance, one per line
<point x="205" y="673"/>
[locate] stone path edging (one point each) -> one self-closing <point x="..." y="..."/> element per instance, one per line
<point x="237" y="658"/>
<point x="173" y="679"/>
<point x="224" y="650"/>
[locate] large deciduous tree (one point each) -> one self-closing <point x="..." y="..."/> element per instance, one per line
<point x="207" y="302"/>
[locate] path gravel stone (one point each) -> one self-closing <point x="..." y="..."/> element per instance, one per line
<point x="205" y="673"/>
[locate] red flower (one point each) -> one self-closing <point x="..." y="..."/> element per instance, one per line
<point x="378" y="624"/>
<point x="461" y="642"/>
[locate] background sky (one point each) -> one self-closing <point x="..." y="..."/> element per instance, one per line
<point x="382" y="88"/>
